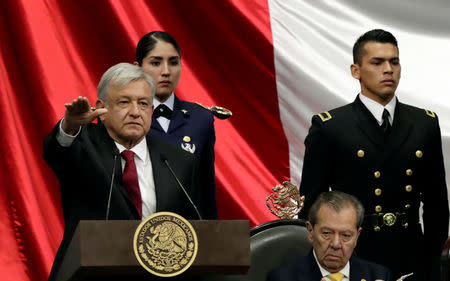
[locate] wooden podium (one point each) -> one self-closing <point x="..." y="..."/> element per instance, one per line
<point x="103" y="250"/>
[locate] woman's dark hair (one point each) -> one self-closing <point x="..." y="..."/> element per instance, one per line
<point x="148" y="42"/>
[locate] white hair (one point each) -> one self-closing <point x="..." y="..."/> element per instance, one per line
<point x="121" y="75"/>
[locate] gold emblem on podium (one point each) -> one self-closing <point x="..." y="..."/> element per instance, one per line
<point x="286" y="202"/>
<point x="165" y="244"/>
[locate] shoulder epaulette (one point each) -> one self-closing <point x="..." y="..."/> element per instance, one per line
<point x="202" y="105"/>
<point x="430" y="113"/>
<point x="218" y="111"/>
<point x="325" y="116"/>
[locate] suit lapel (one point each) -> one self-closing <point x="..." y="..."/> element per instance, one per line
<point x="311" y="271"/>
<point x="355" y="271"/>
<point x="178" y="117"/>
<point x="161" y="174"/>
<point x="401" y="128"/>
<point x="367" y="122"/>
<point x="107" y="151"/>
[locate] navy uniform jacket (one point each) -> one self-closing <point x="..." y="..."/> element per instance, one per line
<point x="306" y="269"/>
<point x="347" y="151"/>
<point x="192" y="128"/>
<point x="84" y="171"/>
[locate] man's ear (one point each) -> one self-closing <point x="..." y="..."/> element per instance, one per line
<point x="359" y="232"/>
<point x="136" y="63"/>
<point x="354" y="68"/>
<point x="100" y="104"/>
<point x="309" y="227"/>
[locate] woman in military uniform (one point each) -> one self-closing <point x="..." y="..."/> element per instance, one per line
<point x="187" y="125"/>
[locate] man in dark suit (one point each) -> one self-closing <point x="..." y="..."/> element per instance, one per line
<point x="112" y="170"/>
<point x="334" y="226"/>
<point x="389" y="155"/>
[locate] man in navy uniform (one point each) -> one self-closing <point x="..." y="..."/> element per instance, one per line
<point x="185" y="124"/>
<point x="389" y="155"/>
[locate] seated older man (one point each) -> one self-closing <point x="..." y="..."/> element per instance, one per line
<point x="334" y="225"/>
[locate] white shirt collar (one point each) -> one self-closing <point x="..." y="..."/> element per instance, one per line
<point x="140" y="149"/>
<point x="377" y="109"/>
<point x="324" y="272"/>
<point x="168" y="102"/>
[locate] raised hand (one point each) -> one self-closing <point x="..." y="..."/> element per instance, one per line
<point x="78" y="113"/>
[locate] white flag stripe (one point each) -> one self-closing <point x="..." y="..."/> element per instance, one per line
<point x="313" y="51"/>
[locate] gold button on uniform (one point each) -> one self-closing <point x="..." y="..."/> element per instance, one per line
<point x="377" y="174"/>
<point x="409" y="172"/>
<point x="360" y="153"/>
<point x="377" y="192"/>
<point x="376" y="228"/>
<point x="378" y="208"/>
<point x="186" y="139"/>
<point x="408" y="188"/>
<point x="405" y="225"/>
<point x="419" y="153"/>
<point x="407" y="206"/>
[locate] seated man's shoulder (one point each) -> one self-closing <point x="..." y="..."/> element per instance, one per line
<point x="288" y="271"/>
<point x="370" y="268"/>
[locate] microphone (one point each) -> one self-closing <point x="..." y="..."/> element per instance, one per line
<point x="165" y="161"/>
<point x="115" y="152"/>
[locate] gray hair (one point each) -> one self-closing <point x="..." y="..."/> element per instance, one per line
<point x="337" y="201"/>
<point x="121" y="75"/>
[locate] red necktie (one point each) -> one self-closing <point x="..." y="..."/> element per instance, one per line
<point x="130" y="179"/>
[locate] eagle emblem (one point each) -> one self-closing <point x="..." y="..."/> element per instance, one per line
<point x="286" y="201"/>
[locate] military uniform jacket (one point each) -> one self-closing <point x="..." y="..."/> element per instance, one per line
<point x="347" y="151"/>
<point x="191" y="127"/>
<point x="306" y="269"/>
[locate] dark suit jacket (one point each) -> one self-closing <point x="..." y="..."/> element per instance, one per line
<point x="306" y="269"/>
<point x="85" y="170"/>
<point x="192" y="120"/>
<point x="346" y="151"/>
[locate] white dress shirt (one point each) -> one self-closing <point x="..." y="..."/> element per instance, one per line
<point x="143" y="166"/>
<point x="324" y="272"/>
<point x="377" y="109"/>
<point x="163" y="121"/>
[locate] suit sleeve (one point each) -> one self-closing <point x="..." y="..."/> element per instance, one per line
<point x="316" y="165"/>
<point x="435" y="202"/>
<point x="57" y="156"/>
<point x="207" y="175"/>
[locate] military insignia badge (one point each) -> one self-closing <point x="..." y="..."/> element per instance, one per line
<point x="286" y="202"/>
<point x="189" y="147"/>
<point x="165" y="244"/>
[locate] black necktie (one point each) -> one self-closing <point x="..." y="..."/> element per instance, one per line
<point x="162" y="110"/>
<point x="386" y="126"/>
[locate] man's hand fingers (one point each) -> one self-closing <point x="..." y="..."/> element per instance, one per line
<point x="99" y="112"/>
<point x="78" y="106"/>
